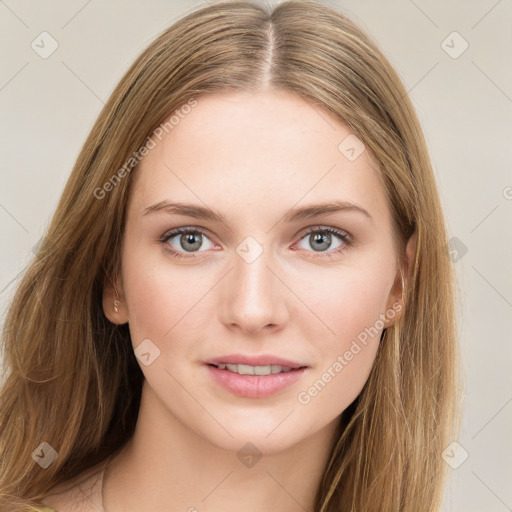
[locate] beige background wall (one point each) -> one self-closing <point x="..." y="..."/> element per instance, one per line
<point x="464" y="100"/>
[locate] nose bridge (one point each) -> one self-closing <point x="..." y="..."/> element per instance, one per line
<point x="252" y="279"/>
<point x="254" y="297"/>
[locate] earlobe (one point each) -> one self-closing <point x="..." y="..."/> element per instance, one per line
<point x="114" y="306"/>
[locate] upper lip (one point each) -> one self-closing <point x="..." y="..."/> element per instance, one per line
<point x="257" y="360"/>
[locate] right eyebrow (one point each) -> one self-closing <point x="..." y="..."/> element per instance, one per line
<point x="186" y="209"/>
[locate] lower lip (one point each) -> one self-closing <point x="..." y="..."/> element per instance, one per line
<point x="255" y="386"/>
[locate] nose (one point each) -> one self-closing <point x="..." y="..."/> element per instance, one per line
<point x="254" y="297"/>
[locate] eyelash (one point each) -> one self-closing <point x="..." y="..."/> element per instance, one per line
<point x="342" y="235"/>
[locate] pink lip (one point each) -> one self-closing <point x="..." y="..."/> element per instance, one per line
<point x="261" y="360"/>
<point x="255" y="386"/>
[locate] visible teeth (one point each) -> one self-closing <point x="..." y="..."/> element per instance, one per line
<point x="246" y="369"/>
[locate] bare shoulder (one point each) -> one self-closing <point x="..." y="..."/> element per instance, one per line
<point x="80" y="494"/>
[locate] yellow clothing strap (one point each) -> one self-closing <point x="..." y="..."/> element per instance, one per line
<point x="41" y="509"/>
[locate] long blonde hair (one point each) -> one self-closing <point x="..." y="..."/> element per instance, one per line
<point x="72" y="378"/>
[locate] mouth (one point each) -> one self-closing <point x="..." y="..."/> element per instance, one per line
<point x="266" y="376"/>
<point x="260" y="370"/>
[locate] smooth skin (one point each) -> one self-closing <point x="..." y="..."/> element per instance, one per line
<point x="251" y="157"/>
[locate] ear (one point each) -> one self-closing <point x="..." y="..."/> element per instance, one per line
<point x="396" y="301"/>
<point x="112" y="297"/>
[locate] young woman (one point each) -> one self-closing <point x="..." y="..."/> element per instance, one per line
<point x="244" y="298"/>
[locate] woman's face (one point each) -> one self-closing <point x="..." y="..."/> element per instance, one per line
<point x="265" y="281"/>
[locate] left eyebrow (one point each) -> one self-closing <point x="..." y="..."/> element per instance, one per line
<point x="315" y="210"/>
<point x="292" y="215"/>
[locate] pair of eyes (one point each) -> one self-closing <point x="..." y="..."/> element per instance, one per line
<point x="193" y="238"/>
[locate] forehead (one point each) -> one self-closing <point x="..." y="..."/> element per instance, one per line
<point x="245" y="152"/>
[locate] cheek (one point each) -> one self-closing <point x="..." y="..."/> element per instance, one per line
<point x="347" y="301"/>
<point x="164" y="302"/>
<point x="152" y="292"/>
<point x="352" y="308"/>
